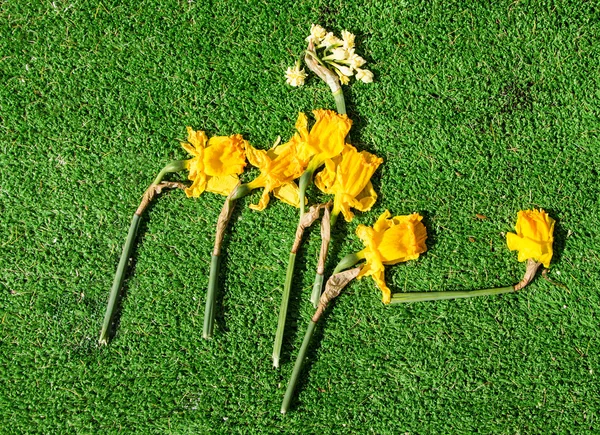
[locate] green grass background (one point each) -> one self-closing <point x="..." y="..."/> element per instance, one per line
<point x="477" y="108"/>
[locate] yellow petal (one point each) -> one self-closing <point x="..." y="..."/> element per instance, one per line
<point x="288" y="193"/>
<point x="390" y="241"/>
<point x="225" y="155"/>
<point x="348" y="177"/>
<point x="327" y="136"/>
<point x="222" y="185"/>
<point x="197" y="139"/>
<point x="366" y="199"/>
<point x="404" y="241"/>
<point x="198" y="185"/>
<point x="264" y="201"/>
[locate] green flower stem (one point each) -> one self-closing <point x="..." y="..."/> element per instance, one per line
<point x="400" y="298"/>
<point x="317" y="289"/>
<point x="119" y="276"/>
<point x="303" y="183"/>
<point x="213" y="277"/>
<point x="348" y="261"/>
<point x="173" y="166"/>
<point x="340" y="103"/>
<point x="289" y="392"/>
<point x="283" y="310"/>
<point x="209" y="309"/>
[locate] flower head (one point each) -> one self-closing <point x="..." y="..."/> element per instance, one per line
<point x="348" y="39"/>
<point x="216" y="162"/>
<point x="317" y="33"/>
<point x="534" y="236"/>
<point x="390" y="241"/>
<point x="326" y="137"/>
<point x="278" y="168"/>
<point x="295" y="76"/>
<point x="364" y="75"/>
<point x="347" y="176"/>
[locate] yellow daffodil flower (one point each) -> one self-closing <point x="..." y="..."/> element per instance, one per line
<point x="326" y="138"/>
<point x="348" y="176"/>
<point x="534" y="236"/>
<point x="390" y="241"/>
<point x="216" y="162"/>
<point x="278" y="168"/>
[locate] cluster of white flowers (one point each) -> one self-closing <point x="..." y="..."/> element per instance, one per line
<point x="338" y="54"/>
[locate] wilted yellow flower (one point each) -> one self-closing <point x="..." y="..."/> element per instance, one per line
<point x="216" y="162"/>
<point x="330" y="40"/>
<point x="347" y="176"/>
<point x="348" y="39"/>
<point x="534" y="236"/>
<point x="295" y="76"/>
<point x="390" y="241"/>
<point x="326" y="138"/>
<point x="278" y="168"/>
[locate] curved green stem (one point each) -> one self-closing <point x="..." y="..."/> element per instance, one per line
<point x="173" y="166"/>
<point x="213" y="277"/>
<point x="303" y="183"/>
<point x="289" y="392"/>
<point x="283" y="309"/>
<point x="400" y="298"/>
<point x="118" y="279"/>
<point x="348" y="261"/>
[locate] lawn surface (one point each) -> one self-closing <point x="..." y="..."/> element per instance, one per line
<point x="477" y="109"/>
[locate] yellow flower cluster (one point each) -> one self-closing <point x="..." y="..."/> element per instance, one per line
<point x="217" y="162"/>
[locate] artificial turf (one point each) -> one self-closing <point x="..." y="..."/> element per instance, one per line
<point x="478" y="108"/>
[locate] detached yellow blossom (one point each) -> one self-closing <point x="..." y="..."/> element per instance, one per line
<point x="348" y="176"/>
<point x="390" y="241"/>
<point x="216" y="162"/>
<point x="326" y="138"/>
<point x="534" y="236"/>
<point x="278" y="168"/>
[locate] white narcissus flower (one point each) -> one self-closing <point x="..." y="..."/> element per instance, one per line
<point x="339" y="53"/>
<point x="317" y="33"/>
<point x="342" y="69"/>
<point x="364" y="75"/>
<point x="356" y="61"/>
<point x="295" y="76"/>
<point x="343" y="79"/>
<point x="330" y="40"/>
<point x="348" y="39"/>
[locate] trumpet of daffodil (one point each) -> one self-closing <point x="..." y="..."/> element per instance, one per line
<point x="347" y="176"/>
<point x="216" y="162"/>
<point x="390" y="241"/>
<point x="534" y="236"/>
<point x="278" y="168"/>
<point x="326" y="138"/>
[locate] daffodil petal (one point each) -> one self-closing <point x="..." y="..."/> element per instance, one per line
<point x="222" y="185"/>
<point x="288" y="193"/>
<point x="225" y="155"/>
